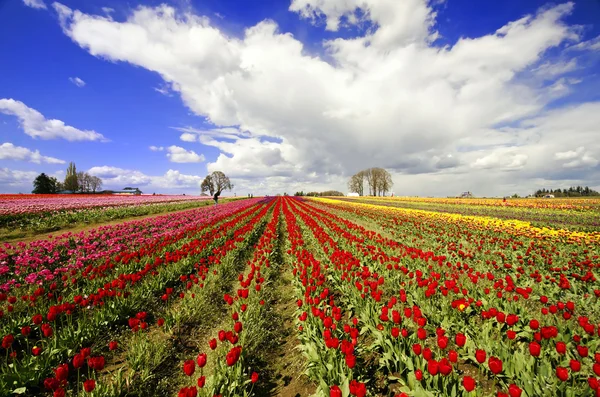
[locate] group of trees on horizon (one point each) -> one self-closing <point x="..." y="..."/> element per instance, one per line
<point x="320" y="194"/>
<point x="379" y="182"/>
<point x="578" y="191"/>
<point x="81" y="182"/>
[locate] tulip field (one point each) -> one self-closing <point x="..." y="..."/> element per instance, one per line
<point x="24" y="213"/>
<point x="292" y="296"/>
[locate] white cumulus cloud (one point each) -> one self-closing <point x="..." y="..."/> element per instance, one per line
<point x="177" y="154"/>
<point x="171" y="180"/>
<point x="36" y="125"/>
<point x="8" y="151"/>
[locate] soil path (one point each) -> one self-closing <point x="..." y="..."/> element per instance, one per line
<point x="286" y="362"/>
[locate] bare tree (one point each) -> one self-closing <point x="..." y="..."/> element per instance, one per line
<point x="95" y="183"/>
<point x="216" y="183"/>
<point x="378" y="180"/>
<point x="356" y="183"/>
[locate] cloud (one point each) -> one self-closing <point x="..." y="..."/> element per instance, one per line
<point x="16" y="178"/>
<point x="399" y="22"/>
<point x="8" y="151"/>
<point x="156" y="148"/>
<point x="36" y="125"/>
<point x="506" y="159"/>
<point x="191" y="134"/>
<point x="387" y="96"/>
<point x="163" y="89"/>
<point x="589" y="45"/>
<point x="172" y="179"/>
<point x="108" y="10"/>
<point x="177" y="154"/>
<point x="577" y="158"/>
<point x="77" y="81"/>
<point x="187" y="137"/>
<point x="38" y="4"/>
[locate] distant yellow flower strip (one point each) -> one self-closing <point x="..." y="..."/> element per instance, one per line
<point x="519" y="227"/>
<point x="565" y="204"/>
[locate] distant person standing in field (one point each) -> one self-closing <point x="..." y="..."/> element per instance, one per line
<point x="216" y="197"/>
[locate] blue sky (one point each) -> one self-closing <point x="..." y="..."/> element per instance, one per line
<point x="433" y="93"/>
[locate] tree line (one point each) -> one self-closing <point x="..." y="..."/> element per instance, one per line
<point x="81" y="182"/>
<point x="578" y="191"/>
<point x="378" y="180"/>
<point x="327" y="193"/>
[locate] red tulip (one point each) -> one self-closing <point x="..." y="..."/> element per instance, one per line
<point x="596" y="368"/>
<point x="59" y="393"/>
<point x="421" y="333"/>
<point x="78" y="361"/>
<point x="47" y="330"/>
<point x="85" y="352"/>
<point x="237" y="327"/>
<point x="7" y="341"/>
<point x="254" y="378"/>
<point x="427" y="354"/>
<point x="575" y="365"/>
<point x="62" y="372"/>
<point x="419" y="375"/>
<point x="469" y="383"/>
<point x="582" y="350"/>
<point x="201" y="381"/>
<point x="113" y="345"/>
<point x="96" y="363"/>
<point x="534" y="324"/>
<point x="335" y="391"/>
<point x="562" y="373"/>
<point x="442" y="342"/>
<point x="201" y="360"/>
<point x="514" y="390"/>
<point x="189" y="367"/>
<point x="35" y="351"/>
<point x="480" y="356"/>
<point x="453" y="356"/>
<point x="535" y="349"/>
<point x="460" y="339"/>
<point x="89" y="385"/>
<point x="561" y="347"/>
<point x="351" y="361"/>
<point x="51" y="383"/>
<point x="495" y="365"/>
<point x="416" y="348"/>
<point x="432" y="367"/>
<point x="444" y="366"/>
<point x="213" y="343"/>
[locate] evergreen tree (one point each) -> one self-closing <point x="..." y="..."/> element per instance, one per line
<point x="44" y="184"/>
